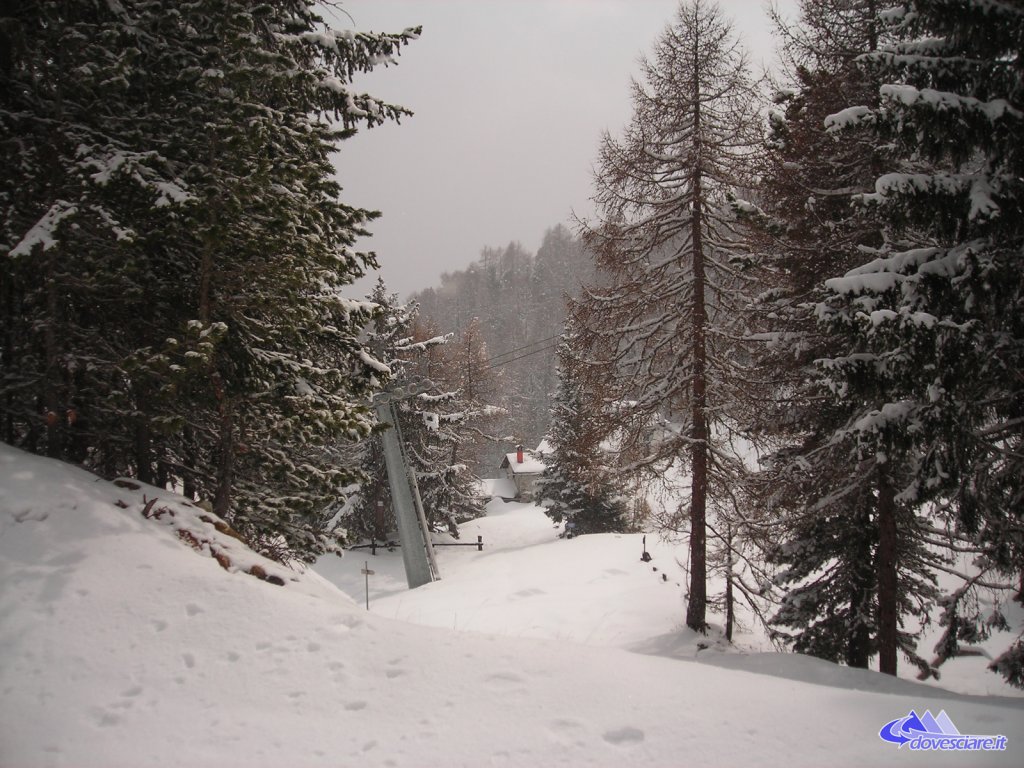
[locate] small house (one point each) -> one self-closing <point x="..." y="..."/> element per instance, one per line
<point x="524" y="468"/>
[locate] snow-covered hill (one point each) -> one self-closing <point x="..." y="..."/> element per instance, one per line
<point x="595" y="590"/>
<point x="124" y="646"/>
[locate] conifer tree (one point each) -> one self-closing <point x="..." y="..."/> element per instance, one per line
<point x="577" y="485"/>
<point x="469" y="373"/>
<point x="667" y="331"/>
<point x="176" y="245"/>
<point x="934" y="320"/>
<point x="431" y="421"/>
<point x="827" y="540"/>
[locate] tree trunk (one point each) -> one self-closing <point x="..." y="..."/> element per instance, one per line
<point x="225" y="461"/>
<point x="730" y="613"/>
<point x="188" y="475"/>
<point x="51" y="396"/>
<point x="696" y="607"/>
<point x="858" y="644"/>
<point x="143" y="451"/>
<point x="7" y="298"/>
<point x="888" y="613"/>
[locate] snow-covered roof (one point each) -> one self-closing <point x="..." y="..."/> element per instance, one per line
<point x="531" y="464"/>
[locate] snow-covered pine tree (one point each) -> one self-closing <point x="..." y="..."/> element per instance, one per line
<point x="935" y="320"/>
<point x="273" y="248"/>
<point x="577" y="485"/>
<point x="444" y="423"/>
<point x="179" y="245"/>
<point x="667" y="332"/>
<point x="431" y="422"/>
<point x="824" y="541"/>
<point x="90" y="293"/>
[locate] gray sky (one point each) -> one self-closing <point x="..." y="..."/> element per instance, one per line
<point x="510" y="100"/>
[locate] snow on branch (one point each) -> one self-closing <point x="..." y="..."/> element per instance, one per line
<point x="980" y="189"/>
<point x="848" y="118"/>
<point x="909" y="96"/>
<point x="43" y="232"/>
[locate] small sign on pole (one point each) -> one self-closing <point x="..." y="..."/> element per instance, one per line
<point x="367" y="573"/>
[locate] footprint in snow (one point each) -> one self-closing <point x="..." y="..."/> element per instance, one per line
<point x="568" y="731"/>
<point x="506" y="680"/>
<point x="626" y="735"/>
<point x="531" y="592"/>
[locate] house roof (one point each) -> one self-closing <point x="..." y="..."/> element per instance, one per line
<point x="531" y="465"/>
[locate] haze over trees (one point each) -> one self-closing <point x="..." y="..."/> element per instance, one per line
<point x="513" y="303"/>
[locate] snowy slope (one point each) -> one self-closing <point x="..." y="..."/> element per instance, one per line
<point x="122" y="646"/>
<point x="593" y="590"/>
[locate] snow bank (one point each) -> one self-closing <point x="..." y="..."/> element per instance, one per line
<point x="123" y="646"/>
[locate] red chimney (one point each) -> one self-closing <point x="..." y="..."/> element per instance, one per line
<point x="519" y="454"/>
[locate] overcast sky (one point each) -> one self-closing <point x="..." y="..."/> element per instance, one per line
<point x="510" y="99"/>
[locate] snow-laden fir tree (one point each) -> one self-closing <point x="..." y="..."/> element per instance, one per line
<point x="824" y="506"/>
<point x="179" y="250"/>
<point x="431" y="421"/>
<point x="578" y="486"/>
<point x="934" y="319"/>
<point x="665" y="333"/>
<point x="90" y="291"/>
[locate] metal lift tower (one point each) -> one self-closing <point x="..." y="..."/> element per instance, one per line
<point x="417" y="551"/>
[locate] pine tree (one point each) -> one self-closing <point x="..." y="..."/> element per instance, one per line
<point x="577" y="486"/>
<point x="177" y="249"/>
<point x="827" y="543"/>
<point x="935" y="318"/>
<point x="88" y="290"/>
<point x="431" y="421"/>
<point x="667" y="333"/>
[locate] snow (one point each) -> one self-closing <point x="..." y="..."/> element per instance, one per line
<point x="124" y="646"/>
<point x="43" y="232"/>
<point x="847" y="118"/>
<point x="908" y="95"/>
<point x="872" y="282"/>
<point x="532" y="463"/>
<point x="501" y="488"/>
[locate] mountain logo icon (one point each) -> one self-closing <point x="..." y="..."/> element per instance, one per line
<point x="935" y="732"/>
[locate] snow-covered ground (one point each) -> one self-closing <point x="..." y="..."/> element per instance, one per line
<point x="122" y="646"/>
<point x="593" y="590"/>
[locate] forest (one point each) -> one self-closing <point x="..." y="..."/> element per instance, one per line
<point x="798" y="310"/>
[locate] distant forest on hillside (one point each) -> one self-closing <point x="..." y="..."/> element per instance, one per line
<point x="518" y="300"/>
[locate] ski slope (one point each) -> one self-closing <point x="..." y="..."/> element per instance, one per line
<point x="124" y="646"/>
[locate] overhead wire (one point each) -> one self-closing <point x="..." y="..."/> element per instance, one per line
<point x="495" y="360"/>
<point x="521" y="357"/>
